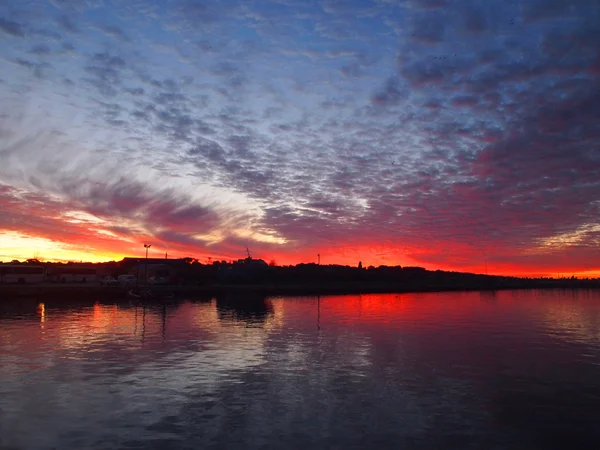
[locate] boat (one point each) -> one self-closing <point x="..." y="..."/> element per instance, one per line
<point x="150" y="294"/>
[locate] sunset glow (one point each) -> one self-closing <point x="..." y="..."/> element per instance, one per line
<point x="459" y="136"/>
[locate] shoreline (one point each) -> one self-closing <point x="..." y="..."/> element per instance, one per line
<point x="11" y="292"/>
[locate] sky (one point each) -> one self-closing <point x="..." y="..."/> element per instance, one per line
<point x="449" y="134"/>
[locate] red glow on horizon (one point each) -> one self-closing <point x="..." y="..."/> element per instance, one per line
<point x="368" y="254"/>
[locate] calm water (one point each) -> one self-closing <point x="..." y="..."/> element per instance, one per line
<point x="514" y="370"/>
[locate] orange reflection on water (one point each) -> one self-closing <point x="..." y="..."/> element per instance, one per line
<point x="41" y="310"/>
<point x="85" y="327"/>
<point x="382" y="309"/>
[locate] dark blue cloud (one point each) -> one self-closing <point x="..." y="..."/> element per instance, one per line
<point x="11" y="28"/>
<point x="65" y="23"/>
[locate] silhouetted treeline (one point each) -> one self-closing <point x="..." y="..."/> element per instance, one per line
<point x="256" y="272"/>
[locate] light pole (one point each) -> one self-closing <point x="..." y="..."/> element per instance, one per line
<point x="146" y="246"/>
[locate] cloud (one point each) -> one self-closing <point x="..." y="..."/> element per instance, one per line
<point x="426" y="4"/>
<point x="47" y="34"/>
<point x="66" y="24"/>
<point x="552" y="9"/>
<point x="40" y="50"/>
<point x="125" y="199"/>
<point x="38" y="215"/>
<point x="38" y="69"/>
<point x="428" y="28"/>
<point x="139" y="212"/>
<point x="77" y="6"/>
<point x="475" y="21"/>
<point x="11" y="28"/>
<point x="391" y="94"/>
<point x="105" y="71"/>
<point x="227" y="70"/>
<point x="429" y="130"/>
<point x="189" y="14"/>
<point x="114" y="32"/>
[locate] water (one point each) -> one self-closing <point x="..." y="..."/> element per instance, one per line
<point x="507" y="370"/>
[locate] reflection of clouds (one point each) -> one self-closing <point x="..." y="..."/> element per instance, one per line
<point x="349" y="352"/>
<point x="350" y="349"/>
<point x="309" y="396"/>
<point x="90" y="330"/>
<point x="114" y="359"/>
<point x="409" y="369"/>
<point x="136" y="336"/>
<point x="115" y="380"/>
<point x="577" y="320"/>
<point x="221" y="349"/>
<point x="276" y="319"/>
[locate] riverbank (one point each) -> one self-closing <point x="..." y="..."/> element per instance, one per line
<point x="96" y="292"/>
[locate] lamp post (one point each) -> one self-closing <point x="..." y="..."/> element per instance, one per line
<point x="146" y="246"/>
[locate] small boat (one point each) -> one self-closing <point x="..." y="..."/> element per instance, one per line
<point x="136" y="293"/>
<point x="150" y="294"/>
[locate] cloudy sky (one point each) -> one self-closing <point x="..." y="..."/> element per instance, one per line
<point x="452" y="134"/>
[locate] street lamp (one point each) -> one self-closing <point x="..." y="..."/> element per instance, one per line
<point x="146" y="246"/>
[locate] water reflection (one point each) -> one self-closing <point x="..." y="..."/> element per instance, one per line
<point x="253" y="310"/>
<point x="465" y="370"/>
<point x="488" y="296"/>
